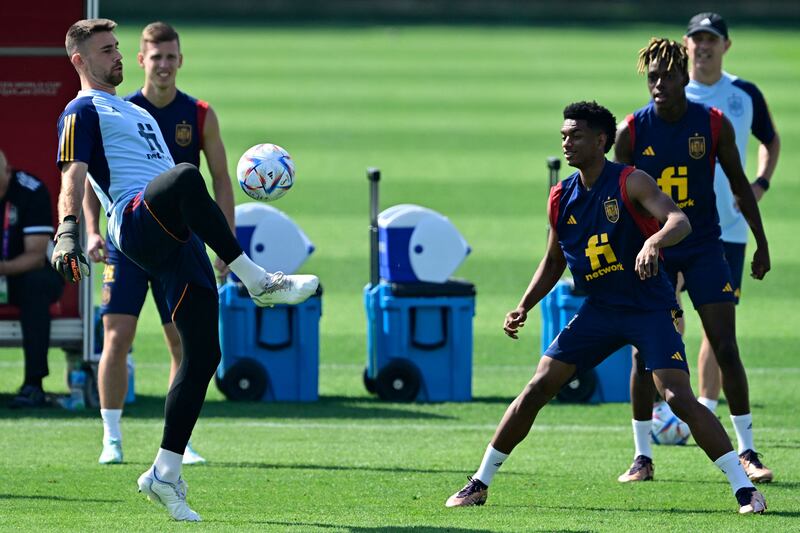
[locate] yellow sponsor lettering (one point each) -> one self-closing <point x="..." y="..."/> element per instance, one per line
<point x="676" y="178"/>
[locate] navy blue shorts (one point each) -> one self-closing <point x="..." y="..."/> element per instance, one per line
<point x="125" y="287"/>
<point x="734" y="255"/>
<point x="596" y="332"/>
<point x="706" y="273"/>
<point x="174" y="262"/>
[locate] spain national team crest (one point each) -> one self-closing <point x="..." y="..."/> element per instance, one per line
<point x="697" y="146"/>
<point x="612" y="210"/>
<point x="183" y="134"/>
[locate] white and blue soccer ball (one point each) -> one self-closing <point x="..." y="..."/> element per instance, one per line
<point x="265" y="172"/>
<point x="668" y="428"/>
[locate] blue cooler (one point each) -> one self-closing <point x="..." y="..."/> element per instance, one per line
<point x="610" y="380"/>
<point x="269" y="354"/>
<point x="419" y="341"/>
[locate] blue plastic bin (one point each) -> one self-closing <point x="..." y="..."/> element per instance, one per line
<point x="268" y="353"/>
<point x="613" y="374"/>
<point x="420" y="332"/>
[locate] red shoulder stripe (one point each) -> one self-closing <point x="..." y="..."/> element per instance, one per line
<point x="631" y="130"/>
<point x="716" y="127"/>
<point x="202" y="111"/>
<point x="554" y="204"/>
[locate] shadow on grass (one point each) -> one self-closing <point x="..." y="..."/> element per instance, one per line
<point x="356" y="468"/>
<point x="55" y="498"/>
<point x="389" y="529"/>
<point x="333" y="407"/>
<point x="649" y="511"/>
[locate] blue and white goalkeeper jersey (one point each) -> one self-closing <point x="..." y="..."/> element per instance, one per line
<point x="121" y="143"/>
<point x="745" y="107"/>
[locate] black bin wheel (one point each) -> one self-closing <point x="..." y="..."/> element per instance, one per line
<point x="398" y="381"/>
<point x="579" y="389"/>
<point x="369" y="383"/>
<point x="244" y="381"/>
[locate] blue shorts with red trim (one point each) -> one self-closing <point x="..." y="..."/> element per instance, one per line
<point x="706" y="273"/>
<point x="174" y="262"/>
<point x="125" y="287"/>
<point x="596" y="332"/>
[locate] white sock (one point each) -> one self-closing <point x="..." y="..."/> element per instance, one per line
<point x="492" y="460"/>
<point x="250" y="273"/>
<point x="111" y="429"/>
<point x="743" y="424"/>
<point x="642" y="433"/>
<point x="709" y="403"/>
<point x="168" y="465"/>
<point x="731" y="467"/>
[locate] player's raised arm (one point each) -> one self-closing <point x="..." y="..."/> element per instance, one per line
<point x="546" y="276"/>
<point x="651" y="201"/>
<point x="728" y="156"/>
<point x="68" y="259"/>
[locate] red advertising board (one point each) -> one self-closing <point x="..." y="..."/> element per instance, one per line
<point x="38" y="23"/>
<point x="33" y="93"/>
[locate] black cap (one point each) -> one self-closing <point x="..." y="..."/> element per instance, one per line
<point x="710" y="22"/>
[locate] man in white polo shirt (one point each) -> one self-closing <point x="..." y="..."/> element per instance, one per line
<point x="707" y="41"/>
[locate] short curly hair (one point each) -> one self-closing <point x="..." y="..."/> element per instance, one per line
<point x="597" y="117"/>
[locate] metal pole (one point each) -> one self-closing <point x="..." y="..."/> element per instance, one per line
<point x="553" y="165"/>
<point x="374" y="176"/>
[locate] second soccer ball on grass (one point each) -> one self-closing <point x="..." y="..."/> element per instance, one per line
<point x="668" y="428"/>
<point x="265" y="172"/>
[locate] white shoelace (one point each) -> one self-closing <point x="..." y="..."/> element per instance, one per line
<point x="276" y="282"/>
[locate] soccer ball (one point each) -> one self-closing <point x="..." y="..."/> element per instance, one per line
<point x="265" y="172"/>
<point x="668" y="428"/>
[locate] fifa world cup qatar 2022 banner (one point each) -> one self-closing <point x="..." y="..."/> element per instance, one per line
<point x="37" y="81"/>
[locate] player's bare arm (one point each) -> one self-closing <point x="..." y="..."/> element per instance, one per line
<point x="622" y="144"/>
<point x="649" y="200"/>
<point x="32" y="257"/>
<point x="214" y="150"/>
<point x="73" y="179"/>
<point x="728" y="156"/>
<point x="68" y="259"/>
<point x="544" y="279"/>
<point x="767" y="161"/>
<point x="95" y="244"/>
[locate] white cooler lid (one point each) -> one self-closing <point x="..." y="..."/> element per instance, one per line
<point x="277" y="242"/>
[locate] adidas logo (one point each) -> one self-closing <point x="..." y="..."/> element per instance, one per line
<point x="727" y="288"/>
<point x="649" y="151"/>
<point x="677" y="356"/>
<point x="571" y="220"/>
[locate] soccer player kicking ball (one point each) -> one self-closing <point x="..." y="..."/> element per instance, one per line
<point x="679" y="142"/>
<point x="189" y="126"/>
<point x="604" y="222"/>
<point x="159" y="216"/>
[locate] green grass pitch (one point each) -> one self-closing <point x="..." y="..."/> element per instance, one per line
<point x="460" y="120"/>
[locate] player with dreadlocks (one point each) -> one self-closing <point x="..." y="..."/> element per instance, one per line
<point x="678" y="142"/>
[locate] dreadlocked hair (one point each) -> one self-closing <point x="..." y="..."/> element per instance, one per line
<point x="662" y="49"/>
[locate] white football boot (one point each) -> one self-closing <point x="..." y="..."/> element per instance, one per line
<point x="112" y="452"/>
<point x="170" y="495"/>
<point x="191" y="457"/>
<point x="279" y="288"/>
